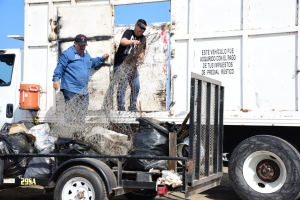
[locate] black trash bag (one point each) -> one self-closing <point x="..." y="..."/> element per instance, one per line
<point x="172" y="126"/>
<point x="5" y="128"/>
<point x="70" y="146"/>
<point x="16" y="143"/>
<point x="151" y="139"/>
<point x="39" y="167"/>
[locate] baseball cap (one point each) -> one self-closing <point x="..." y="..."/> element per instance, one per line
<point x="81" y="39"/>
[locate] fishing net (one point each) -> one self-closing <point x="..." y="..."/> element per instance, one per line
<point x="108" y="130"/>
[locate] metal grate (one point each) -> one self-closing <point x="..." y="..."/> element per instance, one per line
<point x="206" y="128"/>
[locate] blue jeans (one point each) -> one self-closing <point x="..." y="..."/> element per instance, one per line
<point x="134" y="82"/>
<point x="76" y="106"/>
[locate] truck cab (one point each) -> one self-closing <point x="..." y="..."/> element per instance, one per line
<point x="11" y="61"/>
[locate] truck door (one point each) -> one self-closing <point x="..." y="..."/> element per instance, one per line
<point x="9" y="82"/>
<point x="97" y="25"/>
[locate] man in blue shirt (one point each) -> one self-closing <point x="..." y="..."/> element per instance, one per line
<point x="73" y="68"/>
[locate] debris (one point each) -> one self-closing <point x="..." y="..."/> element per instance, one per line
<point x="20" y="128"/>
<point x="108" y="142"/>
<point x="151" y="139"/>
<point x="169" y="177"/>
<point x="39" y="167"/>
<point x="43" y="139"/>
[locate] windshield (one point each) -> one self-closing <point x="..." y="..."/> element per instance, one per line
<point x="6" y="69"/>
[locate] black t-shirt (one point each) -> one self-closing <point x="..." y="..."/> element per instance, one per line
<point x="124" y="51"/>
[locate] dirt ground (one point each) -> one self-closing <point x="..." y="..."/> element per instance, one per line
<point x="222" y="192"/>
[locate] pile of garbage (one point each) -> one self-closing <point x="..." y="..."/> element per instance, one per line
<point x="25" y="137"/>
<point x="151" y="139"/>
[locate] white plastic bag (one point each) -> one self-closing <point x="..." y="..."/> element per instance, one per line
<point x="169" y="177"/>
<point x="43" y="139"/>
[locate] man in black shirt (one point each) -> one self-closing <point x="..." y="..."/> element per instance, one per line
<point x="131" y="41"/>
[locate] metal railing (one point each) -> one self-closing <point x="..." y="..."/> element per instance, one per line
<point x="206" y="130"/>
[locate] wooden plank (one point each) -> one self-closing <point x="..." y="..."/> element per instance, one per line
<point x="173" y="150"/>
<point x="183" y="125"/>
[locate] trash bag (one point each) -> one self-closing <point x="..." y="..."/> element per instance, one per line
<point x="39" y="167"/>
<point x="20" y="128"/>
<point x="151" y="139"/>
<point x="5" y="128"/>
<point x="70" y="146"/>
<point x="43" y="139"/>
<point x="16" y="143"/>
<point x="172" y="126"/>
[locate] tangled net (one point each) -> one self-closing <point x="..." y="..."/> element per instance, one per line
<point x="107" y="130"/>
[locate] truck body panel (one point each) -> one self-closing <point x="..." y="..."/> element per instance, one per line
<point x="252" y="47"/>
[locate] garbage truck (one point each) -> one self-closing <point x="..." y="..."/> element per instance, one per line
<point x="250" y="46"/>
<point x="28" y="97"/>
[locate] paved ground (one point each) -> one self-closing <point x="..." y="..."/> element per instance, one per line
<point x="222" y="192"/>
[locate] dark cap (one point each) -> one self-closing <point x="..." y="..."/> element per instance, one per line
<point x="81" y="39"/>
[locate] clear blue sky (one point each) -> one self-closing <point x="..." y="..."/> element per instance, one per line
<point x="12" y="18"/>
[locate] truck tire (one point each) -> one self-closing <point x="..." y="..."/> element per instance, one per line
<point x="265" y="167"/>
<point x="78" y="182"/>
<point x="146" y="194"/>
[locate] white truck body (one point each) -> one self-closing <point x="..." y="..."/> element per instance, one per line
<point x="251" y="47"/>
<point x="233" y="46"/>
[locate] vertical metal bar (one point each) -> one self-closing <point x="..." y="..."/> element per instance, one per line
<point x="216" y="131"/>
<point x="191" y="130"/>
<point x="169" y="74"/>
<point x="59" y="51"/>
<point x="119" y="178"/>
<point x="184" y="178"/>
<point x="220" y="167"/>
<point x="54" y="167"/>
<point x="1" y="170"/>
<point x="198" y="130"/>
<point x="207" y="153"/>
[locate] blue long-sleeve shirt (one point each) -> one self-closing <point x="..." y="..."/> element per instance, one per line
<point x="74" y="70"/>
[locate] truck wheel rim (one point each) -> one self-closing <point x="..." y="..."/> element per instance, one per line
<point x="78" y="188"/>
<point x="264" y="172"/>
